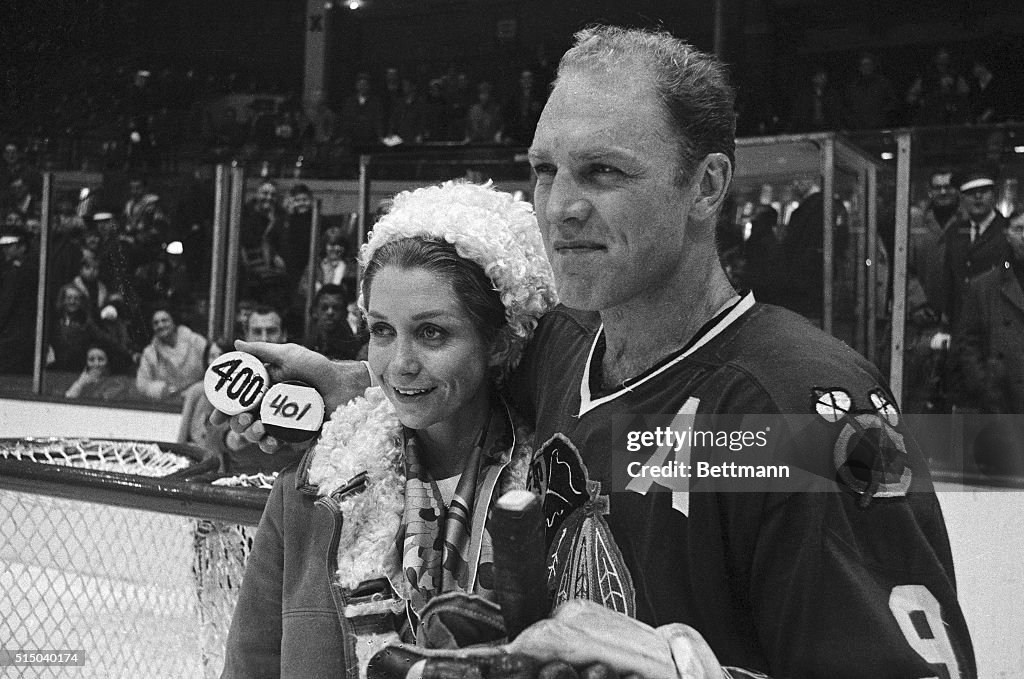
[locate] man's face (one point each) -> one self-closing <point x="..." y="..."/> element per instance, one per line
<point x="136" y="188"/>
<point x="1015" y="237"/>
<point x="609" y="205"/>
<point x="979" y="202"/>
<point x="266" y="194"/>
<point x="302" y="203"/>
<point x="265" y="328"/>
<point x="941" y="191"/>
<point x="12" y="251"/>
<point x="107" y="228"/>
<point x="329" y="311"/>
<point x="72" y="300"/>
<point x="10" y="154"/>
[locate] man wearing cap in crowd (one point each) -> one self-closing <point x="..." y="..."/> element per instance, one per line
<point x="17" y="302"/>
<point x="978" y="243"/>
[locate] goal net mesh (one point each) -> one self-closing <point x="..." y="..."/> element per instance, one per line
<point x="141" y="592"/>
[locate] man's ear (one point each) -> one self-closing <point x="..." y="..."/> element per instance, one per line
<point x="714" y="174"/>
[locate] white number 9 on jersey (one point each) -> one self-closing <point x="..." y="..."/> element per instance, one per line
<point x="920" y="619"/>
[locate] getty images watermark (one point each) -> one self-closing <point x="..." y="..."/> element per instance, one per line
<point x="869" y="453"/>
<point x="870" y="450"/>
<point x="672" y="442"/>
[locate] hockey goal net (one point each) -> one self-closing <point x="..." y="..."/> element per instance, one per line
<point x="125" y="551"/>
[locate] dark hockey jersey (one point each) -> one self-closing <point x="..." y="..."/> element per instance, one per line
<point x="844" y="572"/>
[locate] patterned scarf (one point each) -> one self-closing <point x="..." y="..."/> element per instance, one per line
<point x="446" y="550"/>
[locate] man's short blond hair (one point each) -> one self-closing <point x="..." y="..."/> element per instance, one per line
<point x="693" y="86"/>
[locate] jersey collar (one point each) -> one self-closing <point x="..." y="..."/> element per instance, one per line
<point x="725" y="317"/>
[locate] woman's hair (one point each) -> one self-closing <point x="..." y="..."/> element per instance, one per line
<point x="334" y="236"/>
<point x="157" y="308"/>
<point x="97" y="345"/>
<point x="219" y="342"/>
<point x="471" y="286"/>
<point x="484" y="242"/>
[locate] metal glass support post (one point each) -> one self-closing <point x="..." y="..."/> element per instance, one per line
<point x="234" y="245"/>
<point x="828" y="222"/>
<point x="364" y="200"/>
<point x="311" y="267"/>
<point x="44" y="261"/>
<point x="899" y="262"/>
<point x="364" y="207"/>
<point x="861" y="268"/>
<point x="220" y="224"/>
<point x="871" y="195"/>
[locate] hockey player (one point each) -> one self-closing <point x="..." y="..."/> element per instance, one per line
<point x="848" y="573"/>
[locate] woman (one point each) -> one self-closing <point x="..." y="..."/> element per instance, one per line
<point x="197" y="408"/>
<point x="396" y="493"/>
<point x="96" y="380"/>
<point x="334" y="267"/>
<point x="173" y="360"/>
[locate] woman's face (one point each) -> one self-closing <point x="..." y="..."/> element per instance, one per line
<point x="428" y="356"/>
<point x="96" y="360"/>
<point x="163" y="325"/>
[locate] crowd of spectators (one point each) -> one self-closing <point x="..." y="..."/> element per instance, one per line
<point x="107" y="115"/>
<point x="117" y="113"/>
<point x="964" y="290"/>
<point x="861" y="96"/>
<point x="128" y="272"/>
<point x="121" y="116"/>
<point x="125" y="310"/>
